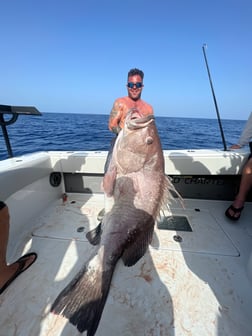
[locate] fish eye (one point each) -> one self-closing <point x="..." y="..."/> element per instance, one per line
<point x="149" y="140"/>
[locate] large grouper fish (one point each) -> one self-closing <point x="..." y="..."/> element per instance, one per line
<point x="137" y="182"/>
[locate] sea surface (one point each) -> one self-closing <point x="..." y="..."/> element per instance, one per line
<point x="74" y="132"/>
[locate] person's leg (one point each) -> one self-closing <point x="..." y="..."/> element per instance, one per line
<point x="5" y="271"/>
<point x="4" y="235"/>
<point x="8" y="271"/>
<point x="245" y="185"/>
<point x="234" y="211"/>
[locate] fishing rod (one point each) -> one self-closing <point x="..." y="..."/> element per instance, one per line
<point x="214" y="98"/>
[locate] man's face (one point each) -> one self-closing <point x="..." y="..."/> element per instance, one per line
<point x="135" y="92"/>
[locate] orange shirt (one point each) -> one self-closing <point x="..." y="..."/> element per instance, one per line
<point x="122" y="106"/>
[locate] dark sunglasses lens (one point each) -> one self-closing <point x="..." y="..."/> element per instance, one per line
<point x="138" y="85"/>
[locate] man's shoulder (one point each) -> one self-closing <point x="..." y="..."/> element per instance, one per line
<point x="121" y="100"/>
<point x="146" y="105"/>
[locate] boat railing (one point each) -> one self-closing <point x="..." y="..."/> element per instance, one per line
<point x="12" y="113"/>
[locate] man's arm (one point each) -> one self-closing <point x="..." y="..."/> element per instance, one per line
<point x="247" y="132"/>
<point x="115" y="117"/>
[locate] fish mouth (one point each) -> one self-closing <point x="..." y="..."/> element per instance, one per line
<point x="135" y="119"/>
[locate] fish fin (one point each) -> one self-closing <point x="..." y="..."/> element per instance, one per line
<point x="169" y="193"/>
<point x="138" y="247"/>
<point x="83" y="300"/>
<point x="94" y="236"/>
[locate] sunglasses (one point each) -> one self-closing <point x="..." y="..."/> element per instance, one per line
<point x="138" y="85"/>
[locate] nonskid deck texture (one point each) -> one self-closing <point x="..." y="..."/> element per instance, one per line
<point x="197" y="285"/>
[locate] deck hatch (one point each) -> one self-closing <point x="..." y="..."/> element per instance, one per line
<point x="178" y="223"/>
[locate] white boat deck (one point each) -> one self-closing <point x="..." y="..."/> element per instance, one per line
<point x="178" y="288"/>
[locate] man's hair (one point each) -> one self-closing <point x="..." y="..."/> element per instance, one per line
<point x="134" y="72"/>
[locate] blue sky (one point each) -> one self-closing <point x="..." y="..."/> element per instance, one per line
<point x="74" y="55"/>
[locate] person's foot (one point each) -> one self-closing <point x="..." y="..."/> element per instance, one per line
<point x="11" y="272"/>
<point x="234" y="211"/>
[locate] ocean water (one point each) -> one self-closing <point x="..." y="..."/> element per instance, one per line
<point x="62" y="131"/>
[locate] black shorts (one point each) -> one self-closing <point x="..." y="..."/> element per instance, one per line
<point x="2" y="205"/>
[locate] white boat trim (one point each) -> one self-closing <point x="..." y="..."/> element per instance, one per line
<point x="199" y="286"/>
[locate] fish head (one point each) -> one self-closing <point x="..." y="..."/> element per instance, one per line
<point x="136" y="120"/>
<point x="138" y="145"/>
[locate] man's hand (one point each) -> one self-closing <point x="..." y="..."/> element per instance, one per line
<point x="235" y="146"/>
<point x="116" y="129"/>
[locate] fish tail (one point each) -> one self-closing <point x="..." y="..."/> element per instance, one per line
<point x="83" y="300"/>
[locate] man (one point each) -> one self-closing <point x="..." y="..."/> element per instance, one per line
<point x="8" y="273"/>
<point x="234" y="211"/>
<point x="123" y="105"/>
<point x="132" y="101"/>
<point x="119" y="111"/>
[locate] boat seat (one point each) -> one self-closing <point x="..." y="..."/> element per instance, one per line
<point x="16" y="173"/>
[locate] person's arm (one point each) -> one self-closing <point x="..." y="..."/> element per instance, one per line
<point x="236" y="146"/>
<point x="247" y="133"/>
<point x="115" y="117"/>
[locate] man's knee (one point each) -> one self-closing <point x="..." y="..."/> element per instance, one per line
<point x="247" y="170"/>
